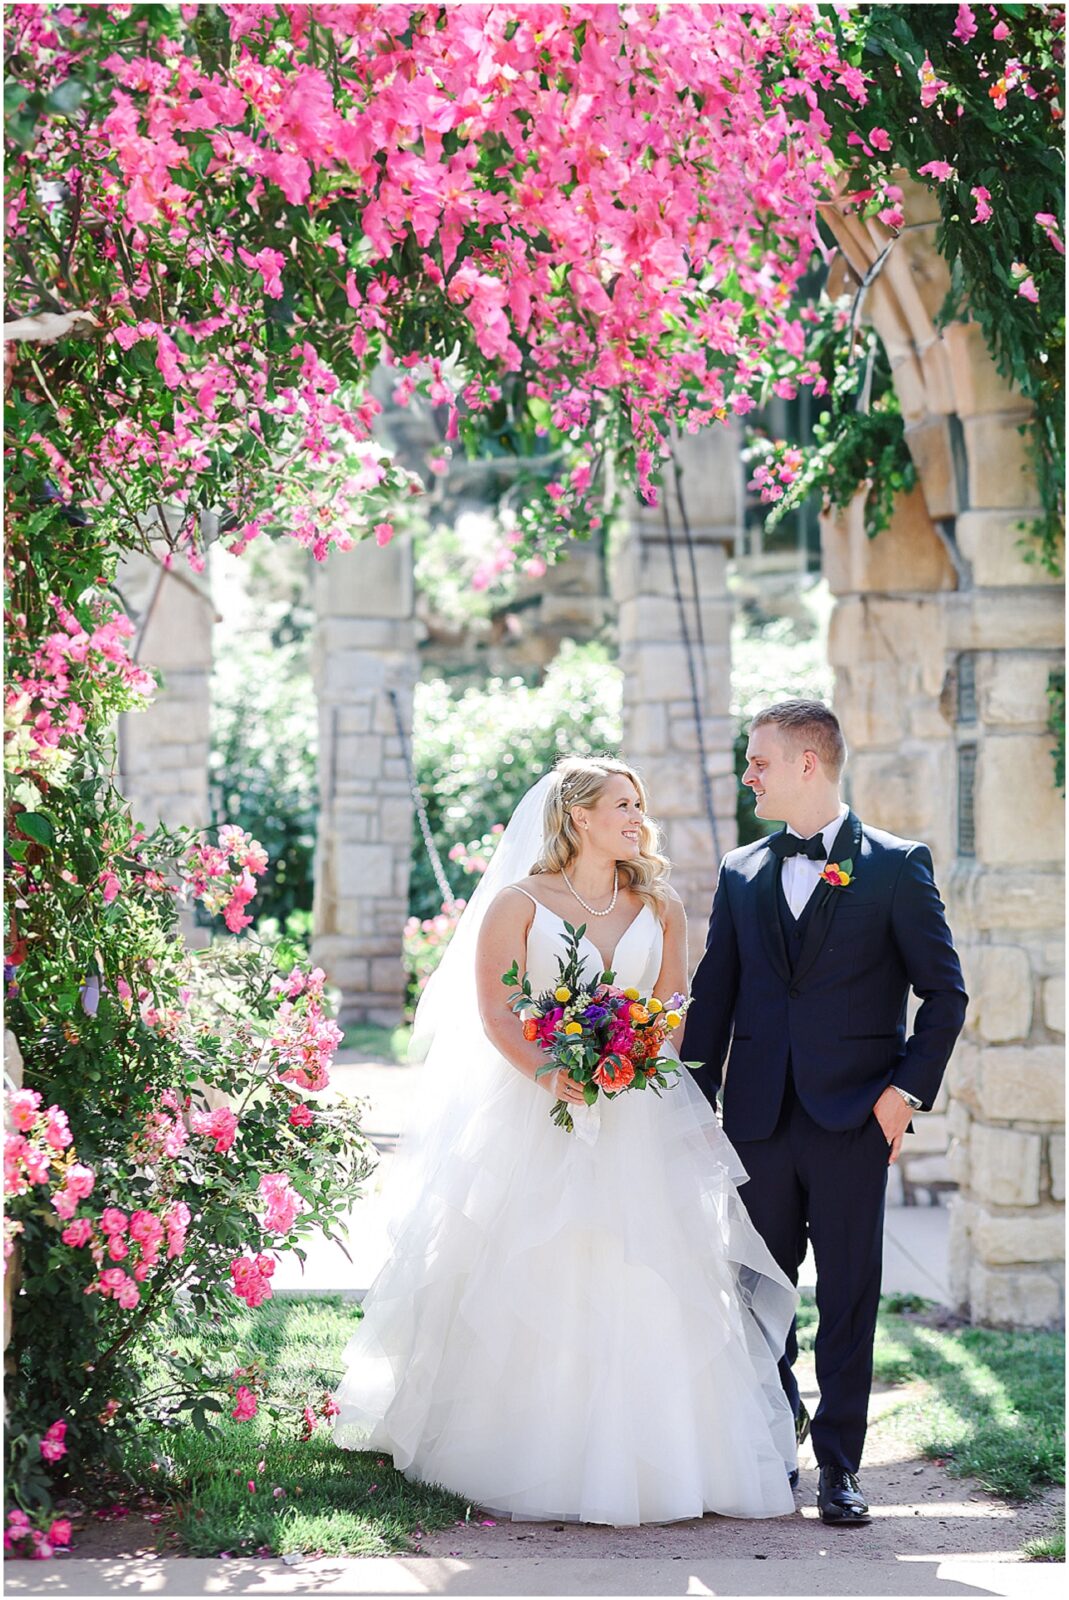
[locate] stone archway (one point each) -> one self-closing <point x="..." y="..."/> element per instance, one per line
<point x="942" y="641"/>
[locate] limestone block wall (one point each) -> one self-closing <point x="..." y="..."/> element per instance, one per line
<point x="962" y="668"/>
<point x="660" y="733"/>
<point x="887" y="644"/>
<point x="365" y="647"/>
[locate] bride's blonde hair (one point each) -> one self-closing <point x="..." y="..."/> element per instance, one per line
<point x="580" y="781"/>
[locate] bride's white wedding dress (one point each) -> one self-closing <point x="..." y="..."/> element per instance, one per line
<point x="568" y="1330"/>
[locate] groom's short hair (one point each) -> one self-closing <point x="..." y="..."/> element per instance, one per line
<point x="808" y="725"/>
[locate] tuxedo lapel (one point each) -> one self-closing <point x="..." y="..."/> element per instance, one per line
<point x="826" y="896"/>
<point x="766" y="884"/>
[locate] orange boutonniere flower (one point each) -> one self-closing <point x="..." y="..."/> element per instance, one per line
<point x="838" y="874"/>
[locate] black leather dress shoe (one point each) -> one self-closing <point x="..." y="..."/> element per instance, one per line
<point x="839" y="1499"/>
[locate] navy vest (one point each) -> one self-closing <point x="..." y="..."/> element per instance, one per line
<point x="793" y="935"/>
<point x="794" y="930"/>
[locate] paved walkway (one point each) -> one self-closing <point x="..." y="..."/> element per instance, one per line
<point x="828" y="1574"/>
<point x="915" y="1240"/>
<point x="931" y="1535"/>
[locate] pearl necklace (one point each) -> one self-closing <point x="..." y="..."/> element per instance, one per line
<point x="582" y="902"/>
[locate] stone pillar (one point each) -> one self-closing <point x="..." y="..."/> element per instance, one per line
<point x="163" y="752"/>
<point x="887" y="644"/>
<point x="660" y="735"/>
<point x="976" y="654"/>
<point x="364" y="648"/>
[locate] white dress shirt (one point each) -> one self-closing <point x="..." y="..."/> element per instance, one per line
<point x="800" y="875"/>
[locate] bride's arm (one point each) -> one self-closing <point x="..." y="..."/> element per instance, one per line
<point x="503" y="940"/>
<point x="672" y="978"/>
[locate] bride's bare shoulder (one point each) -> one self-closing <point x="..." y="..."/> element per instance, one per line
<point x="513" y="903"/>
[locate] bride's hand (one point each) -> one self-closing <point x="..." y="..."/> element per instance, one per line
<point x="562" y="1086"/>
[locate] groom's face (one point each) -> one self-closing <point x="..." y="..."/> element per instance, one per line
<point x="773" y="774"/>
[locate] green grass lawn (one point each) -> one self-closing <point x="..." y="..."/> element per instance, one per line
<point x="332" y="1500"/>
<point x="379" y="1044"/>
<point x="990" y="1403"/>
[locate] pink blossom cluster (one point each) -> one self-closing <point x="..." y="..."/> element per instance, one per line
<point x="34" y="1153"/>
<point x="252" y="1278"/>
<point x="426" y="938"/>
<point x="78" y="673"/>
<point x="282" y="1204"/>
<point x="327" y="1408"/>
<point x="246" y="1385"/>
<point x="220" y="1125"/>
<point x="36" y="1143"/>
<point x="53" y="1441"/>
<point x="223" y="877"/>
<point x="135" y="1239"/>
<point x="304" y="1038"/>
<point x="247" y="1404"/>
<point x="773" y="476"/>
<point x="35" y="1542"/>
<point x="162" y="1133"/>
<point x="475" y="856"/>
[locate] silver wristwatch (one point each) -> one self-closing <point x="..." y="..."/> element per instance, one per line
<point x="910" y="1099"/>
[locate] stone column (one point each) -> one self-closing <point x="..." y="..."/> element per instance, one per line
<point x="887" y="644"/>
<point x="976" y="655"/>
<point x="163" y="752"/>
<point x="364" y="648"/>
<point x="660" y="734"/>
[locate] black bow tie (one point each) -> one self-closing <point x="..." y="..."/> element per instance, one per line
<point x="788" y="844"/>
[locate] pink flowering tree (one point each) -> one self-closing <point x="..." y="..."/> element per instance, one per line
<point x="567" y="224"/>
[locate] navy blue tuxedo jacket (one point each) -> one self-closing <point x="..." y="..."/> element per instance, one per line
<point x="839" y="1018"/>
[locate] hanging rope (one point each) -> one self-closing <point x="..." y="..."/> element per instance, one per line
<point x="421" y="810"/>
<point x="684" y="628"/>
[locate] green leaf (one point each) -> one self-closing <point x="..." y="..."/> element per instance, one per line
<point x="66" y="97"/>
<point x="200" y="156"/>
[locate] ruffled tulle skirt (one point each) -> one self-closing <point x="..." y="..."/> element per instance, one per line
<point x="579" y="1331"/>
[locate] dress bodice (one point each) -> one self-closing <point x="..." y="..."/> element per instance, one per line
<point x="636" y="960"/>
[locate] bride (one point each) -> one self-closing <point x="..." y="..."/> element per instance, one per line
<point x="579" y="1325"/>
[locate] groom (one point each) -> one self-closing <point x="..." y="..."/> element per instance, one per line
<point x="816" y="937"/>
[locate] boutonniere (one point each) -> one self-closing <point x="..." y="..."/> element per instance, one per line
<point x="838" y="873"/>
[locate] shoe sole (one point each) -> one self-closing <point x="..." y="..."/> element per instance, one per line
<point x="860" y="1521"/>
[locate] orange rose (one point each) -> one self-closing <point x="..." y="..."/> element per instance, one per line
<point x="639" y="1014"/>
<point x="530" y="1030"/>
<point x="614" y="1075"/>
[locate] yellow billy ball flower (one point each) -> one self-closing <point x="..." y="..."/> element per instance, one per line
<point x="673" y="1019"/>
<point x="573" y="1027"/>
<point x="631" y="994"/>
<point x="654" y="1006"/>
<point x="562" y="994"/>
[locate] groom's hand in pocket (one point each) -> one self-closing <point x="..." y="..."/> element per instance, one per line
<point x="894" y="1115"/>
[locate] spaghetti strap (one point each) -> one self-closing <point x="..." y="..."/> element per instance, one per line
<point x="530" y="897"/>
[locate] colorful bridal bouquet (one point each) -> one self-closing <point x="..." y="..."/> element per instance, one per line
<point x="608" y="1039"/>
